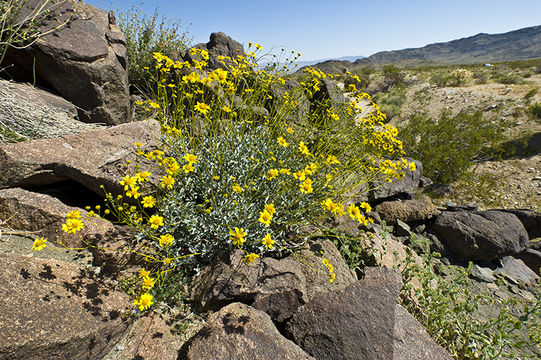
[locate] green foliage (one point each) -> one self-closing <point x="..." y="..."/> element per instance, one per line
<point x="146" y="35"/>
<point x="447" y="307"/>
<point x="530" y="94"/>
<point x="440" y="78"/>
<point x="355" y="250"/>
<point x="535" y="111"/>
<point x="391" y="102"/>
<point x="449" y="146"/>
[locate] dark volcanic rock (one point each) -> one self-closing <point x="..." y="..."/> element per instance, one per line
<point x="480" y="235"/>
<point x="516" y="271"/>
<point x="406" y="210"/>
<point x="239" y="331"/>
<point x="220" y="44"/>
<point x="406" y="185"/>
<point x="84" y="61"/>
<point x="530" y="219"/>
<point x="532" y="258"/>
<point x="354" y="323"/>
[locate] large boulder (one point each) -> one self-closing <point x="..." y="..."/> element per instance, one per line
<point x="34" y="113"/>
<point x="480" y="235"/>
<point x="516" y="271"/>
<point x="55" y="310"/>
<point x="353" y="323"/>
<point x="84" y="61"/>
<point x="239" y="331"/>
<point x="530" y="219"/>
<point x="532" y="259"/>
<point x="220" y="44"/>
<point x="91" y="158"/>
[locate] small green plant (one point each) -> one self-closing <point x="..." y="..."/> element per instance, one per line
<point x="530" y="94"/>
<point x="535" y="111"/>
<point x="440" y="78"/>
<point x="447" y="308"/>
<point x="146" y="35"/>
<point x="449" y="146"/>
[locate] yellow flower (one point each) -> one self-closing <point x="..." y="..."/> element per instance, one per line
<point x="226" y="109"/>
<point x="74" y="215"/>
<point x="353" y="211"/>
<point x="365" y="206"/>
<point x="166" y="240"/>
<point x="138" y="144"/>
<point x="144" y="301"/>
<point x="154" y="105"/>
<point x="267" y="241"/>
<point x="148" y="201"/>
<point x="133" y="192"/>
<point x="221" y="75"/>
<point x="412" y="166"/>
<point x="237" y="236"/>
<point x="303" y="149"/>
<point x="306" y="186"/>
<point x="259" y="47"/>
<point x="249" y="258"/>
<point x="188" y="168"/>
<point x="72" y="226"/>
<point x="190" y="158"/>
<point x="290" y="130"/>
<point x="155" y="221"/>
<point x="272" y="174"/>
<point x="148" y="283"/>
<point x="167" y="182"/>
<point x="285" y="171"/>
<point x="143" y="176"/>
<point x="328" y="204"/>
<point x="39" y="244"/>
<point x="282" y="141"/>
<point x="265" y="217"/>
<point x="202" y="108"/>
<point x="144" y="273"/>
<point x="216" y="178"/>
<point x="270" y="208"/>
<point x="331" y="159"/>
<point x="351" y="87"/>
<point x="128" y="182"/>
<point x="237" y="188"/>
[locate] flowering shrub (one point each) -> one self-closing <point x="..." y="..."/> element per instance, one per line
<point x="237" y="171"/>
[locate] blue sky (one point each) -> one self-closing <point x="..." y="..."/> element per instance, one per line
<point x="330" y="29"/>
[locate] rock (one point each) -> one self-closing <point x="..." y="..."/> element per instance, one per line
<point x="329" y="91"/>
<point x="280" y="306"/>
<point x="353" y="323"/>
<point x="406" y="210"/>
<point x="238" y="331"/>
<point x="482" y="274"/>
<point x="516" y="271"/>
<point x="149" y="338"/>
<point x="402" y="229"/>
<point x="219" y="45"/>
<point x="406" y="185"/>
<point x="390" y="253"/>
<point x="411" y="341"/>
<point x="530" y="219"/>
<point x="91" y="158"/>
<point x="277" y="91"/>
<point x="532" y="259"/>
<point x="480" y="235"/>
<point x="84" y="62"/>
<point x="54" y="310"/>
<point x="36" y="114"/>
<point x="536" y="245"/>
<point x="229" y="280"/>
<point x="43" y="215"/>
<point x="316" y="273"/>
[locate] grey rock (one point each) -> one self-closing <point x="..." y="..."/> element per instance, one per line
<point x="516" y="271"/>
<point x="532" y="258"/>
<point x="530" y="219"/>
<point x="220" y="44"/>
<point x="402" y="229"/>
<point x="239" y="331"/>
<point x="482" y="274"/>
<point x="481" y="235"/>
<point x="406" y="210"/>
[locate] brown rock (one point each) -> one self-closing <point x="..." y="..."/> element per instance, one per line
<point x="353" y="323"/>
<point x="54" y="310"/>
<point x="406" y="210"/>
<point x="150" y="338"/>
<point x="220" y="44"/>
<point x="408" y="184"/>
<point x="91" y="158"/>
<point x="239" y="331"/>
<point x="230" y="280"/>
<point x="317" y="274"/>
<point x="84" y="61"/>
<point x="411" y="341"/>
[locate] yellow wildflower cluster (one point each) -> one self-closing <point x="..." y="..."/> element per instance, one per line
<point x="329" y="266"/>
<point x="73" y="222"/>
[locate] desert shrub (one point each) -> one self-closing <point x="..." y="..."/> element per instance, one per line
<point x="460" y="77"/>
<point x="507" y="78"/>
<point x="392" y="101"/>
<point x="359" y="81"/>
<point x="146" y="35"/>
<point x="448" y="309"/>
<point x="440" y="78"/>
<point x="20" y="31"/>
<point x="535" y="111"/>
<point x="235" y="176"/>
<point x="530" y="94"/>
<point x="448" y="146"/>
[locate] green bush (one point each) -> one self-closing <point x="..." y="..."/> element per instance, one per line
<point x="146" y="35"/>
<point x="535" y="111"/>
<point x="440" y="78"/>
<point x="447" y="147"/>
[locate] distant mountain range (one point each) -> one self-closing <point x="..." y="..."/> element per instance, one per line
<point x="519" y="44"/>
